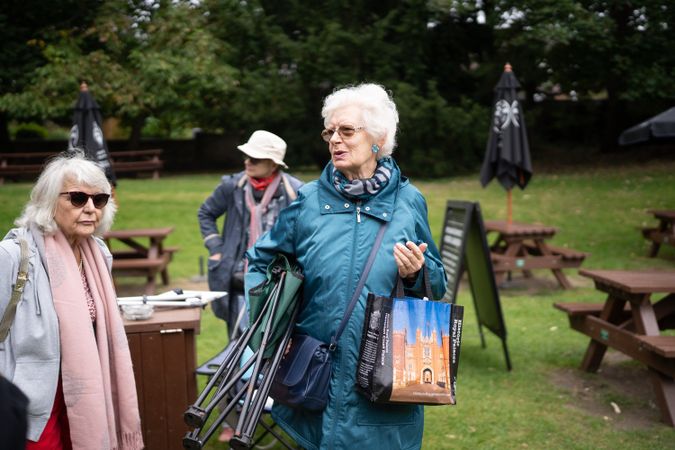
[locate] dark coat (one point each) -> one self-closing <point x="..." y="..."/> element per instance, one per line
<point x="228" y="199"/>
<point x="14" y="415"/>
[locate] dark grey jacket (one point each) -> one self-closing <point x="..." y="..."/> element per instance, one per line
<point x="228" y="198"/>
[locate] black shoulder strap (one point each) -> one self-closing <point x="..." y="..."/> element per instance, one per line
<point x="359" y="286"/>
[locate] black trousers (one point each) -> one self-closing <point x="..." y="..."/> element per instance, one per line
<point x="14" y="415"/>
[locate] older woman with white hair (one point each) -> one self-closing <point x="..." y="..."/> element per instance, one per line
<point x="62" y="341"/>
<point x="330" y="229"/>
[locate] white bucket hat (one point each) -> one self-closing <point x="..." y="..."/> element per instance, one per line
<point x="265" y="145"/>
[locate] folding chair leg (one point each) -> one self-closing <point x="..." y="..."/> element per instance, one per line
<point x="255" y="390"/>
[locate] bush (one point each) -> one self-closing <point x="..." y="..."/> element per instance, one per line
<point x="30" y="131"/>
<point x="436" y="139"/>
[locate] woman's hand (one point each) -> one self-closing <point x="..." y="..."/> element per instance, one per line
<point x="409" y="258"/>
<point x="215" y="257"/>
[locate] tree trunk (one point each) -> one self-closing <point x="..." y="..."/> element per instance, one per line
<point x="611" y="120"/>
<point x="136" y="128"/>
<point x="616" y="84"/>
<point x="4" y="130"/>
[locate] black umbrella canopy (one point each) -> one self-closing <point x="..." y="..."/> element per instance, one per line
<point x="507" y="156"/>
<point x="658" y="127"/>
<point x="86" y="133"/>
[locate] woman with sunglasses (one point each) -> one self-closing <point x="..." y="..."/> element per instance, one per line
<point x="331" y="230"/>
<point x="62" y="341"/>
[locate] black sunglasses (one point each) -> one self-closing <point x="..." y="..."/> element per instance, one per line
<point x="253" y="161"/>
<point x="79" y="199"/>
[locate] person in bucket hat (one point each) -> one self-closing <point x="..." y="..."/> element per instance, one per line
<point x="251" y="201"/>
<point x="265" y="145"/>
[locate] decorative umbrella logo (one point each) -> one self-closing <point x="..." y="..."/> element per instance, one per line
<point x="505" y="115"/>
<point x="98" y="135"/>
<point x="74" y="137"/>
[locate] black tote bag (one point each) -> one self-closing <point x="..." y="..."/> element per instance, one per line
<point x="409" y="349"/>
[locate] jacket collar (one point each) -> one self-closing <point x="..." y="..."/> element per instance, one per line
<point x="380" y="206"/>
<point x="238" y="197"/>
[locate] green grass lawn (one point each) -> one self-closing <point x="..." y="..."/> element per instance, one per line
<point x="545" y="402"/>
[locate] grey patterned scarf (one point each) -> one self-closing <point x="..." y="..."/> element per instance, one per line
<point x="366" y="188"/>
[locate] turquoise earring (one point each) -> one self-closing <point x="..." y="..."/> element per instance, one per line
<point x="375" y="148"/>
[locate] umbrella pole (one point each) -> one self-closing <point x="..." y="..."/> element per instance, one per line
<point x="509" y="208"/>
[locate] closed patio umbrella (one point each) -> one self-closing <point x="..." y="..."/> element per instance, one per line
<point x="86" y="133"/>
<point x="507" y="156"/>
<point x="661" y="126"/>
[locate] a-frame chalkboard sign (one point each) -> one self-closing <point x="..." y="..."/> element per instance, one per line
<point x="464" y="247"/>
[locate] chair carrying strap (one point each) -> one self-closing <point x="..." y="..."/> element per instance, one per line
<point x="359" y="286"/>
<point x="17" y="292"/>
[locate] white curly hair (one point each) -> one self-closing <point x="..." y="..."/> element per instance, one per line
<point x="73" y="167"/>
<point x="378" y="111"/>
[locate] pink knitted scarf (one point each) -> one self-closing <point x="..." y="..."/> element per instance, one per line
<point x="256" y="211"/>
<point x="98" y="381"/>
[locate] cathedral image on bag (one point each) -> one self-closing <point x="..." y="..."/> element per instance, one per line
<point x="420" y="351"/>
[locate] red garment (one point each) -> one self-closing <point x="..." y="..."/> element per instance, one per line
<point x="56" y="435"/>
<point x="259" y="184"/>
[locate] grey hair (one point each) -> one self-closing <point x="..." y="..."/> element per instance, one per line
<point x="378" y="111"/>
<point x="74" y="167"/>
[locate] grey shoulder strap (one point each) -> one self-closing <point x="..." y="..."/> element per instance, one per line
<point x="292" y="195"/>
<point x="17" y="292"/>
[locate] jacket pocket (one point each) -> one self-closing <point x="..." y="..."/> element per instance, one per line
<point x="387" y="414"/>
<point x="37" y="379"/>
<point x="216" y="275"/>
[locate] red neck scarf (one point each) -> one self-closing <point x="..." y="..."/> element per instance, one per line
<point x="259" y="184"/>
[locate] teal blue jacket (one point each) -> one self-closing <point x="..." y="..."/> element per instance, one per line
<point x="331" y="237"/>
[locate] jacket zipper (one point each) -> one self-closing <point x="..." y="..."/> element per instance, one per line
<point x="338" y="397"/>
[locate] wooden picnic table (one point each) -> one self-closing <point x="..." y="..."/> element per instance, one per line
<point x="145" y="254"/>
<point x="30" y="164"/>
<point x="631" y="321"/>
<point x="524" y="247"/>
<point x="664" y="233"/>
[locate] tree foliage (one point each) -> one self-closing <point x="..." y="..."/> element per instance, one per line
<point x="233" y="66"/>
<point x="140" y="59"/>
<point x="621" y="49"/>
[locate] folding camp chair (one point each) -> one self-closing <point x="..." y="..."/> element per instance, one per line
<point x="210" y="367"/>
<point x="240" y="378"/>
<point x="269" y="437"/>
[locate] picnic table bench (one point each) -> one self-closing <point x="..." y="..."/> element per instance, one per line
<point x="664" y="233"/>
<point x="523" y="247"/>
<point x="139" y="259"/>
<point x="631" y="322"/>
<point x="16" y="165"/>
